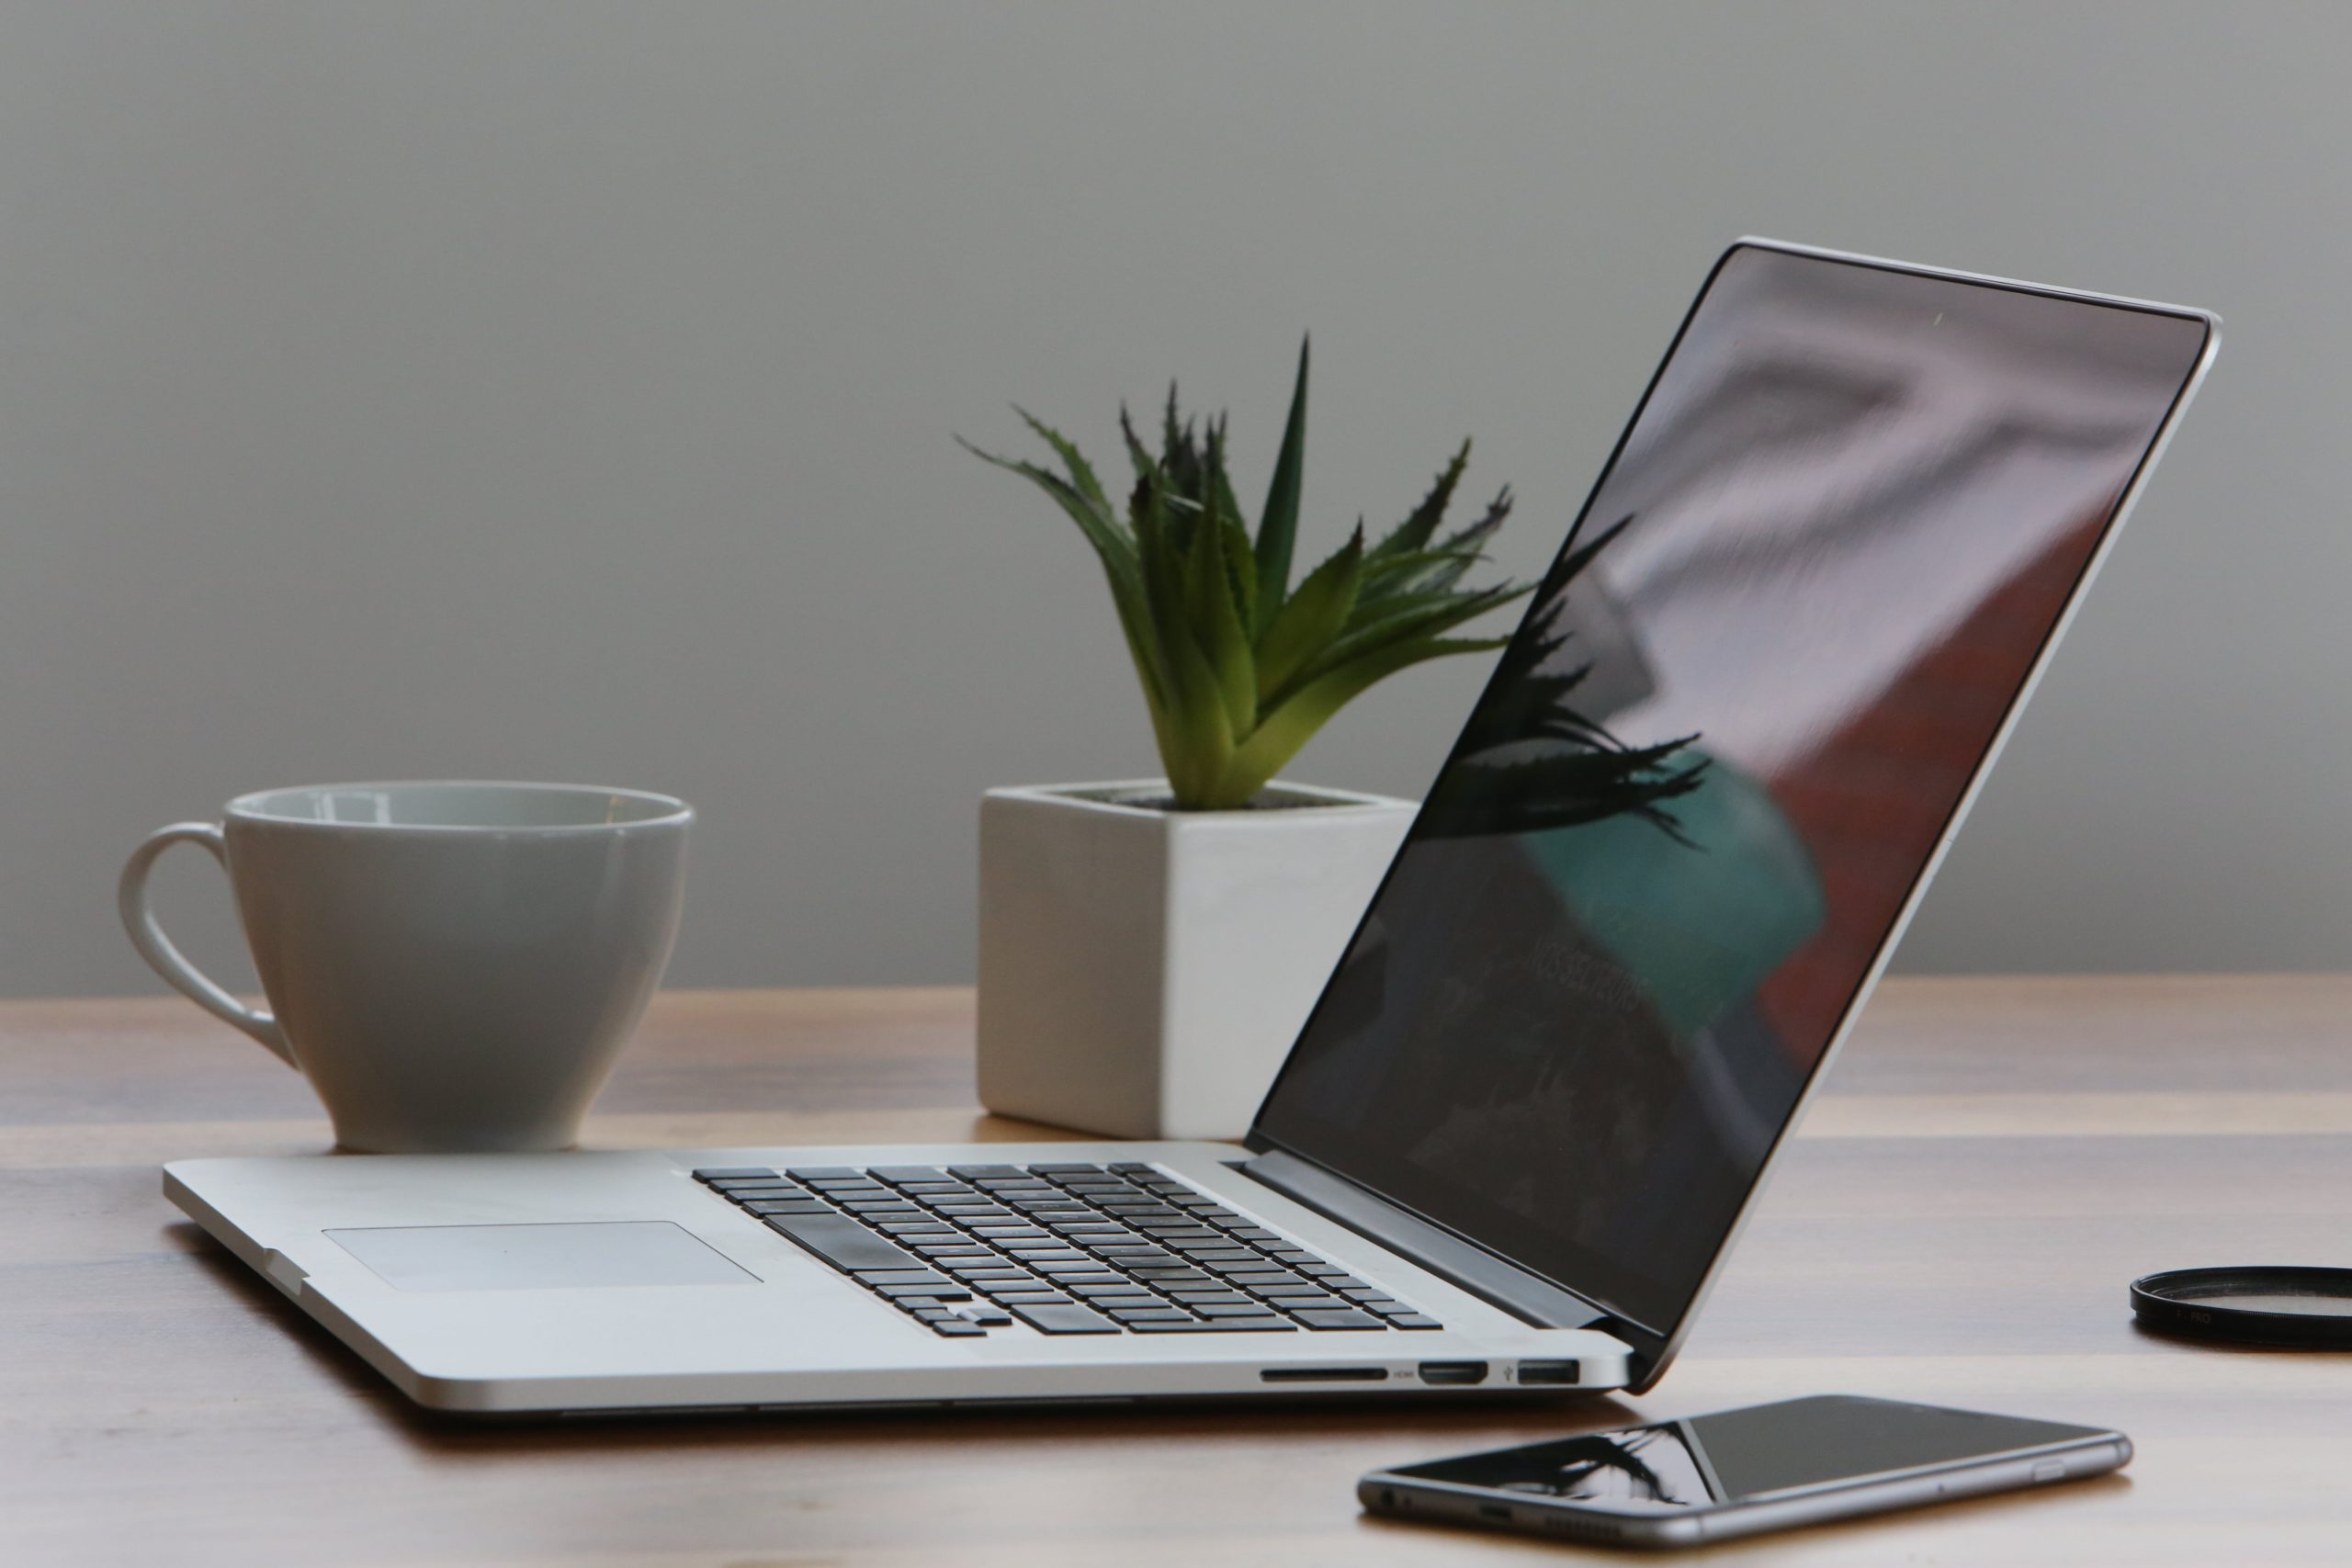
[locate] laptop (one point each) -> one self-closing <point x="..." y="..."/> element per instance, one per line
<point x="1640" y="906"/>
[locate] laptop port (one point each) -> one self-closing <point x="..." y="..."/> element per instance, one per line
<point x="1549" y="1373"/>
<point x="1453" y="1371"/>
<point x="1323" y="1374"/>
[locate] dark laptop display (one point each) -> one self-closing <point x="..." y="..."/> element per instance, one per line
<point x="1722" y="749"/>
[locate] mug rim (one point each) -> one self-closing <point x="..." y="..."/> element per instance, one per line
<point x="668" y="810"/>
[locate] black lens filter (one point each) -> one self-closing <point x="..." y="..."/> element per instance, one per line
<point x="2289" y="1307"/>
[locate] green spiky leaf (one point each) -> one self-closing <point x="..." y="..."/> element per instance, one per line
<point x="1121" y="567"/>
<point x="1278" y="525"/>
<point x="1307" y="625"/>
<point x="1415" y="531"/>
<point x="1216" y="624"/>
<point x="1283" y="730"/>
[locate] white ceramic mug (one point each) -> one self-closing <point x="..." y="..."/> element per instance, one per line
<point x="453" y="965"/>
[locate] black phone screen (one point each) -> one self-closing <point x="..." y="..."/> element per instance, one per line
<point x="1739" y="1454"/>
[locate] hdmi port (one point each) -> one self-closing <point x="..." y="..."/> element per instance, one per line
<point x="1453" y="1371"/>
<point x="1323" y="1374"/>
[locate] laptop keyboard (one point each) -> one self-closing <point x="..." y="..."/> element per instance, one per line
<point x="1065" y="1248"/>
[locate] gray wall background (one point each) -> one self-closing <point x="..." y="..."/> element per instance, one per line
<point x="564" y="391"/>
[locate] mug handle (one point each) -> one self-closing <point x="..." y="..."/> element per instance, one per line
<point x="147" y="936"/>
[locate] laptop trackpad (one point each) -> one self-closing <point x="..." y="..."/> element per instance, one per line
<point x="539" y="1256"/>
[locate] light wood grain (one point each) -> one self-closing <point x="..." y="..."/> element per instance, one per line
<point x="1995" y="1160"/>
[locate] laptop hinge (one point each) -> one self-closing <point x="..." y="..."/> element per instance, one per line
<point x="1523" y="1295"/>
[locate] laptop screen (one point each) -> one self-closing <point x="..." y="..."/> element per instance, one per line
<point x="1693" y="802"/>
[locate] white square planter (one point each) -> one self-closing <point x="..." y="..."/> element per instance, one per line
<point x="1143" y="973"/>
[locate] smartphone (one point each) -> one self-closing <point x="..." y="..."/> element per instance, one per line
<point x="1767" y="1467"/>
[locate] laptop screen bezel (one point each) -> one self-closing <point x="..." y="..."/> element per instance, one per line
<point x="1654" y="1344"/>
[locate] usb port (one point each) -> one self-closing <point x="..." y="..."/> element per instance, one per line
<point x="1548" y="1372"/>
<point x="1453" y="1371"/>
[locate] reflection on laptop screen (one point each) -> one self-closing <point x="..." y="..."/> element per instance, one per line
<point x="1720" y="751"/>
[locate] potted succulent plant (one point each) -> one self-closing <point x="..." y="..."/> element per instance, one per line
<point x="1149" y="949"/>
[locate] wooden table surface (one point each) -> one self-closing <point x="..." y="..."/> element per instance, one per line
<point x="1993" y="1162"/>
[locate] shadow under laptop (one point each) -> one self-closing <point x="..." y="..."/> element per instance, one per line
<point x="1423" y="1419"/>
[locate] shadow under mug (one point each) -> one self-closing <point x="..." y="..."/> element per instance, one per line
<point x="454" y="965"/>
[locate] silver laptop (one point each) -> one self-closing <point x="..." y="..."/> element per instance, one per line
<point x="1642" y="904"/>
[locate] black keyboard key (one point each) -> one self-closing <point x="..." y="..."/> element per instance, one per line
<point x="1414" y="1320"/>
<point x="953" y="1327"/>
<point x="1390" y="1310"/>
<point x="1028" y="1298"/>
<point x="983" y="1172"/>
<point x="1134" y="1167"/>
<point x="1134" y="1315"/>
<point x="875" y="1279"/>
<point x="786" y="1206"/>
<point x="986" y="1318"/>
<point x="897" y="1175"/>
<point x="1311" y="1303"/>
<point x="1218" y="1326"/>
<point x="1066" y="1319"/>
<point x="735" y="1173"/>
<point x="821" y="1173"/>
<point x="1339" y="1319"/>
<point x="1066" y="1168"/>
<point x="945" y="1290"/>
<point x="843" y="1242"/>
